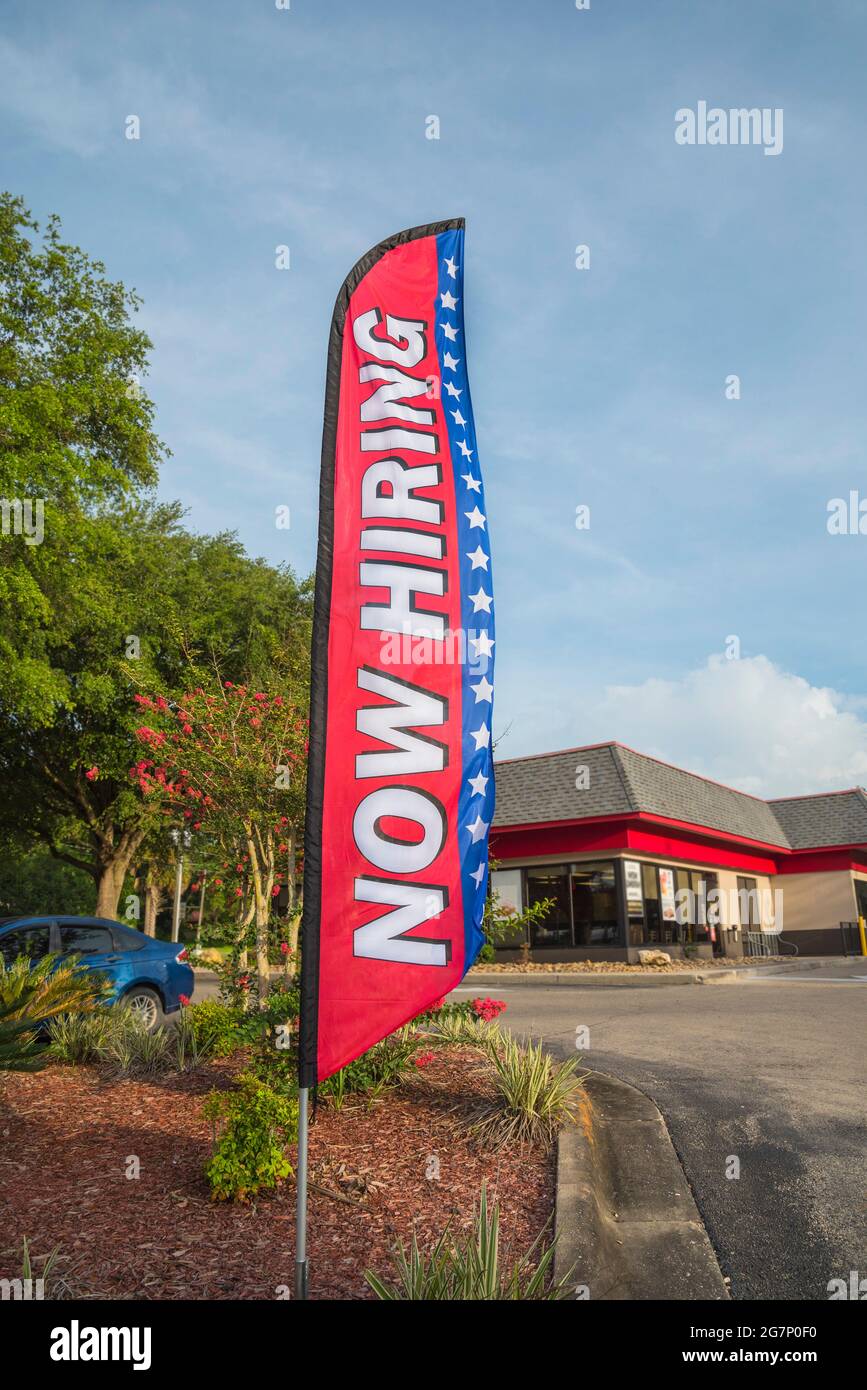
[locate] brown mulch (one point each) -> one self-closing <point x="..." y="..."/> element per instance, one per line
<point x="67" y="1134"/>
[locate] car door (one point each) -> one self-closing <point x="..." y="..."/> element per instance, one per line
<point x="91" y="940"/>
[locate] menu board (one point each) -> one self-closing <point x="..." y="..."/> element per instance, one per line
<point x="632" y="875"/>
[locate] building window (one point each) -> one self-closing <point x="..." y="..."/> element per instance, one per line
<point x="703" y="884"/>
<point x="748" y="904"/>
<point x="594" y="904"/>
<point x="652" y="915"/>
<point x="556" y="928"/>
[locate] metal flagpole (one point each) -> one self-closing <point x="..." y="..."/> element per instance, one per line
<point x="301" y="1198"/>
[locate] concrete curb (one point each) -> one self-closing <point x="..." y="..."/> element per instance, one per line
<point x="626" y="1222"/>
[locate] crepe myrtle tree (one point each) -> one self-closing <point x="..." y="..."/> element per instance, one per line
<point x="230" y="762"/>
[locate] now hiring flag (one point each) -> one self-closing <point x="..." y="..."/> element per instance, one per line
<point x="401" y="783"/>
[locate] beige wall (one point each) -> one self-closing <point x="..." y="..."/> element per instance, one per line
<point x="812" y="902"/>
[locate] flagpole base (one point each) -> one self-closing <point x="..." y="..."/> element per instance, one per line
<point x="301" y="1279"/>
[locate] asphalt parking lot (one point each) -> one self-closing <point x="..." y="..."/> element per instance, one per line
<point x="770" y="1072"/>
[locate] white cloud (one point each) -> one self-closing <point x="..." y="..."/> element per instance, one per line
<point x="746" y="723"/>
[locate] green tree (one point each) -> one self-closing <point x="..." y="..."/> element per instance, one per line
<point x="116" y="593"/>
<point x="76" y="436"/>
<point x="169" y="597"/>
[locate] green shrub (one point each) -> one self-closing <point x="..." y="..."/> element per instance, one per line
<point x="470" y="1269"/>
<point x="188" y="1049"/>
<point x="274" y="1057"/>
<point x="535" y="1096"/>
<point x="252" y="1126"/>
<point x="370" y="1074"/>
<point x="465" y="1030"/>
<point x="487" y="955"/>
<point x="216" y="1026"/>
<point x="128" y="1049"/>
<point x="283" y="1005"/>
<point x="78" y="1038"/>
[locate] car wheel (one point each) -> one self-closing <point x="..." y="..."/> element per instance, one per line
<point x="146" y="1006"/>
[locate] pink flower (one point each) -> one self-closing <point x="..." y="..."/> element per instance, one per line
<point x="284" y="948"/>
<point x="92" y="773"/>
<point x="424" y="1059"/>
<point x="487" y="1008"/>
<point x="185" y="999"/>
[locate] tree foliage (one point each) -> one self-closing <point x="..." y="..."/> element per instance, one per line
<point x="110" y="581"/>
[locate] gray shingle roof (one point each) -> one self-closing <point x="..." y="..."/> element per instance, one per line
<point x="540" y="789"/>
<point x="814" y="822"/>
<point x="543" y="789"/>
<point x="668" y="791"/>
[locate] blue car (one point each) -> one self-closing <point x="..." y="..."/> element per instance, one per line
<point x="147" y="976"/>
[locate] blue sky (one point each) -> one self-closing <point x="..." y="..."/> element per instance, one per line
<point x="605" y="387"/>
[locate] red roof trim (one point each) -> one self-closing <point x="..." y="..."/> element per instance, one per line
<point x="639" y="817"/>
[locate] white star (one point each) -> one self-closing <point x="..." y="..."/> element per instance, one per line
<point x="458" y="418"/>
<point x="483" y="644"/>
<point x="451" y="268"/>
<point x="482" y="736"/>
<point x="449" y="362"/>
<point x="478" y="874"/>
<point x="465" y="450"/>
<point x="479" y="558"/>
<point x="479" y="784"/>
<point x="477" y="829"/>
<point x="474" y="484"/>
<point x="476" y="518"/>
<point x="481" y="601"/>
<point x="453" y="391"/>
<point x="450" y="332"/>
<point x="448" y="300"/>
<point x="484" y="690"/>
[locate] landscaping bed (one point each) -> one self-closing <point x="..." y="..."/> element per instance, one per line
<point x="68" y="1135"/>
<point x="619" y="967"/>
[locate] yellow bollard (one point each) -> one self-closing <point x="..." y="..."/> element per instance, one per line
<point x="863" y="935"/>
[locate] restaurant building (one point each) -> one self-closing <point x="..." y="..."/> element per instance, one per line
<point x="635" y="853"/>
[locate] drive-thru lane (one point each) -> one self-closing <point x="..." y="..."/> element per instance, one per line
<point x="772" y="1073"/>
